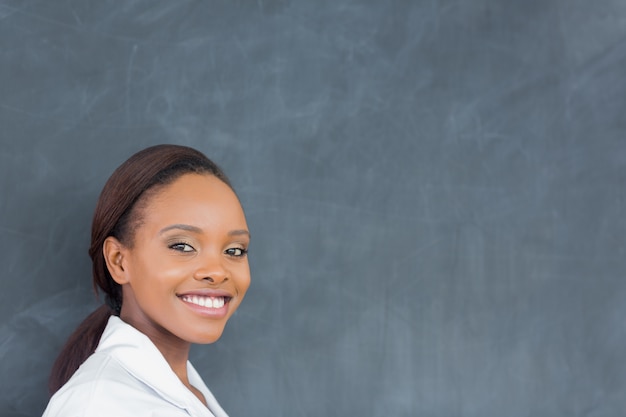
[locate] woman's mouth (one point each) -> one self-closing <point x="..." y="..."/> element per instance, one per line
<point x="204" y="301"/>
<point x="213" y="304"/>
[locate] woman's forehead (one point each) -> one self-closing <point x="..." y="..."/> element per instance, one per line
<point x="194" y="197"/>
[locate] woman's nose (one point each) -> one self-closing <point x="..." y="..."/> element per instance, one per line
<point x="211" y="269"/>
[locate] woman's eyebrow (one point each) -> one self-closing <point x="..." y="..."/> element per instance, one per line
<point x="185" y="227"/>
<point x="239" y="232"/>
<point x="195" y="229"/>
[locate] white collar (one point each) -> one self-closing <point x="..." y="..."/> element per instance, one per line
<point x="141" y="358"/>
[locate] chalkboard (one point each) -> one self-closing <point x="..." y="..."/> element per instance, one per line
<point x="436" y="192"/>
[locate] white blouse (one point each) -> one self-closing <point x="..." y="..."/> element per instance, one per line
<point x="127" y="376"/>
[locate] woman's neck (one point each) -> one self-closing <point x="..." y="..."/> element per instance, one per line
<point x="174" y="350"/>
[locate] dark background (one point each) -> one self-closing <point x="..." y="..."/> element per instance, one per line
<point x="436" y="192"/>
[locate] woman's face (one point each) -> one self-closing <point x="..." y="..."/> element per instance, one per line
<point x="186" y="271"/>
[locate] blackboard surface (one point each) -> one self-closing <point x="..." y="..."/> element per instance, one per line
<point x="436" y="192"/>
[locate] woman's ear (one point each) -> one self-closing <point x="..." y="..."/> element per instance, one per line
<point x="114" y="251"/>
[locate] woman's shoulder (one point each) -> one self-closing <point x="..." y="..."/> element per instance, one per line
<point x="102" y="386"/>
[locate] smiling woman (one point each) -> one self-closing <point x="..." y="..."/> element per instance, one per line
<point x="169" y="249"/>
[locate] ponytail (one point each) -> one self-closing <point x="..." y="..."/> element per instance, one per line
<point x="80" y="345"/>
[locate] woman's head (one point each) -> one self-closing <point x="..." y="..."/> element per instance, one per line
<point x="148" y="280"/>
<point x="123" y="199"/>
<point x="186" y="270"/>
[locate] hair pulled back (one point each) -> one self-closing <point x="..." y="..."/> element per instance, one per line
<point x="117" y="214"/>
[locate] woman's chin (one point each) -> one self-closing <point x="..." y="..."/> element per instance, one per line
<point x="207" y="338"/>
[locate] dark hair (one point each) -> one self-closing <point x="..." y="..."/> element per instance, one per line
<point x="117" y="214"/>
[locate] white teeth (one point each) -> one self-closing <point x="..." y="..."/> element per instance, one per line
<point x="210" y="302"/>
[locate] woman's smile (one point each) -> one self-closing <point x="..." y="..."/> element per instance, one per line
<point x="209" y="303"/>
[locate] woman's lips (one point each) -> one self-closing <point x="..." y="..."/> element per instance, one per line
<point x="213" y="304"/>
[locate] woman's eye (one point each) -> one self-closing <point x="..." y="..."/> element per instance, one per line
<point x="236" y="252"/>
<point x="182" y="247"/>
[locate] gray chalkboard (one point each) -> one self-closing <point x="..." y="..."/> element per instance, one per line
<point x="436" y="192"/>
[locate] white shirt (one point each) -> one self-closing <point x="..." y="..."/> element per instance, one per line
<point x="127" y="376"/>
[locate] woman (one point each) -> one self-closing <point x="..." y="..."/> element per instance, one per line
<point x="169" y="246"/>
